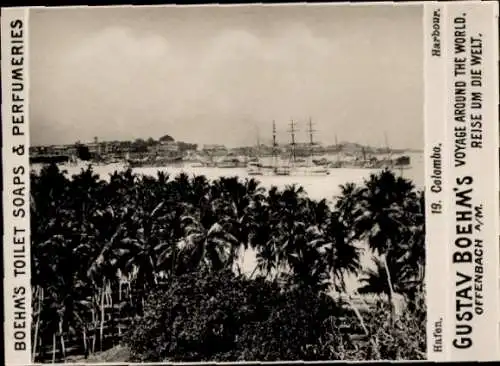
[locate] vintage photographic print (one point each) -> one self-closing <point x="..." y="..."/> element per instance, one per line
<point x="227" y="183"/>
<point x="246" y="183"/>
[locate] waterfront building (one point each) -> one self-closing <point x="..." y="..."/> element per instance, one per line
<point x="215" y="150"/>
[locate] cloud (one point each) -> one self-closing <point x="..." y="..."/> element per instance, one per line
<point x="124" y="79"/>
<point x="131" y="80"/>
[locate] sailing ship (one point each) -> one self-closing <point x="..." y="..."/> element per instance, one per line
<point x="401" y="163"/>
<point x="338" y="151"/>
<point x="254" y="166"/>
<point x="387" y="161"/>
<point x="275" y="167"/>
<point x="292" y="166"/>
<point x="310" y="166"/>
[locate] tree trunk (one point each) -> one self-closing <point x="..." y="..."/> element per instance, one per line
<point x="334" y="285"/>
<point x="61" y="335"/>
<point x="63" y="347"/>
<point x="33" y="350"/>
<point x="129" y="294"/>
<point x="422" y="277"/>
<point x="253" y="272"/>
<point x="94" y="326"/>
<point x="338" y="287"/>
<point x="390" y="293"/>
<point x="54" y="347"/>
<point x="109" y="295"/>
<point x="39" y="293"/>
<point x="358" y="315"/>
<point x="120" y="315"/>
<point x="374" y="349"/>
<point x="112" y="313"/>
<point x="101" y="326"/>
<point x="85" y="345"/>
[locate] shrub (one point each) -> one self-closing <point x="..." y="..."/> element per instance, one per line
<point x="220" y="316"/>
<point x="405" y="340"/>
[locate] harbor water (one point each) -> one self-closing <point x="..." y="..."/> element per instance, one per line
<point x="316" y="186"/>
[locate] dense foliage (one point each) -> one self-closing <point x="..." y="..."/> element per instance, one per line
<point x="220" y="316"/>
<point x="160" y="255"/>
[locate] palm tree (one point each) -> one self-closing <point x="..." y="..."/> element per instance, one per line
<point x="283" y="226"/>
<point x="290" y="237"/>
<point x="55" y="236"/>
<point x="343" y="255"/>
<point x="214" y="247"/>
<point x="380" y="218"/>
<point x="374" y="280"/>
<point x="415" y="248"/>
<point x="307" y="261"/>
<point x="347" y="204"/>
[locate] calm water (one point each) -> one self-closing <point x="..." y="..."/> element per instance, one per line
<point x="317" y="187"/>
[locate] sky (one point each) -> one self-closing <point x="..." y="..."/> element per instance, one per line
<point x="221" y="75"/>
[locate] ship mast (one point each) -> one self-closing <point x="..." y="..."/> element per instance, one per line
<point x="337" y="150"/>
<point x="386" y="143"/>
<point x="311" y="140"/>
<point x="274" y="143"/>
<point x="258" y="143"/>
<point x="292" y="132"/>
<point x="387" y="149"/>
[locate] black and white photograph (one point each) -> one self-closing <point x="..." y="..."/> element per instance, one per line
<point x="227" y="183"/>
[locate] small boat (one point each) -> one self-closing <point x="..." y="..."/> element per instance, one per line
<point x="197" y="165"/>
<point x="322" y="161"/>
<point x="402" y="161"/>
<point x="282" y="170"/>
<point x="230" y="163"/>
<point x="254" y="168"/>
<point x="158" y="161"/>
<point x="335" y="164"/>
<point x="310" y="170"/>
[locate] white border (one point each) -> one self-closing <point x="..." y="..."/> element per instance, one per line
<point x="436" y="183"/>
<point x="482" y="166"/>
<point x="11" y="162"/>
<point x="438" y="279"/>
